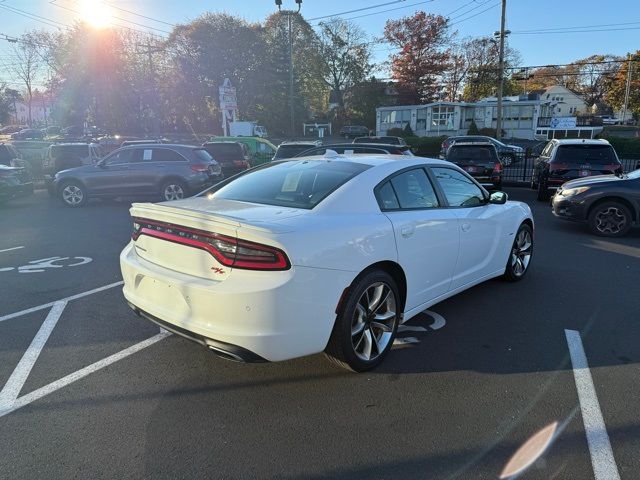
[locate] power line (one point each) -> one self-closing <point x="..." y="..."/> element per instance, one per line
<point x="575" y="27"/>
<point x="47" y="21"/>
<point x="576" y="31"/>
<point x="140" y="15"/>
<point x="479" y="5"/>
<point x="389" y="10"/>
<point x="356" y="10"/>
<point x="476" y="14"/>
<point x="459" y="8"/>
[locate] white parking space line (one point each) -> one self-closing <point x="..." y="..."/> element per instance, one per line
<point x="11" y="249"/>
<point x="67" y="299"/>
<point x="74" y="377"/>
<point x="411" y="328"/>
<point x="604" y="465"/>
<point x="405" y="341"/>
<point x="16" y="381"/>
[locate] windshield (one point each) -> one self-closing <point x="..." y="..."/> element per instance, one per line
<point x="588" y="153"/>
<point x="301" y="184"/>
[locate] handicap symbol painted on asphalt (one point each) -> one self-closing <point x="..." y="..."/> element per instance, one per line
<point x="438" y="322"/>
<point x="44" y="264"/>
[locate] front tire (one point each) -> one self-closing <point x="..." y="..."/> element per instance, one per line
<point x="520" y="255"/>
<point x="366" y="326"/>
<point x="73" y="194"/>
<point x="610" y="219"/>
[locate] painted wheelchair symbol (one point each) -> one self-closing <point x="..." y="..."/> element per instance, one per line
<point x="44" y="264"/>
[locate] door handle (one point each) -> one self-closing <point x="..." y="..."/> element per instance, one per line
<point x="407" y="231"/>
<point x="465" y="227"/>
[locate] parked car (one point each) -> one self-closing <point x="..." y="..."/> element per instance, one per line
<point x="260" y="149"/>
<point x="384" y="140"/>
<point x="480" y="160"/>
<point x="609" y="204"/>
<point x="291" y="149"/>
<point x="353" y="131"/>
<point x="14" y="183"/>
<point x="62" y="156"/>
<point x="28" y="134"/>
<point x="610" y="120"/>
<point x="568" y="159"/>
<point x="233" y="157"/>
<point x="168" y="172"/>
<point x="360" y="148"/>
<point x="9" y="129"/>
<point x="507" y="153"/>
<point x="304" y="256"/>
<point x="144" y="141"/>
<point x="9" y="156"/>
<point x="51" y="131"/>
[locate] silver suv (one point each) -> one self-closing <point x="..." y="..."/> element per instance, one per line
<point x="167" y="172"/>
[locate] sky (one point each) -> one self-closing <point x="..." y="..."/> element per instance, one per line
<point x="588" y="26"/>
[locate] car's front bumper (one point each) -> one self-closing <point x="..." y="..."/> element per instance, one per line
<point x="249" y="315"/>
<point x="568" y="208"/>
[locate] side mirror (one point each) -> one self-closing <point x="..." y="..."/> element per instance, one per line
<point x="498" y="198"/>
<point x="100" y="163"/>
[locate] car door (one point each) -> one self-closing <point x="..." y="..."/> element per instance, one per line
<point x="481" y="226"/>
<point x="427" y="236"/>
<point x="111" y="176"/>
<point x="149" y="167"/>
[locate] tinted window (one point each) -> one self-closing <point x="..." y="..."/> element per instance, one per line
<point x="459" y="189"/>
<point x="60" y="151"/>
<point x="479" y="154"/>
<point x="595" y="154"/>
<point x="123" y="156"/>
<point x="202" y="155"/>
<point x="414" y="190"/>
<point x="298" y="184"/>
<point x="387" y="197"/>
<point x="225" y="152"/>
<point x="289" y="151"/>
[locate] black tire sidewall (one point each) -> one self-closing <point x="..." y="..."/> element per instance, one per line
<point x="342" y="327"/>
<point x="594" y="211"/>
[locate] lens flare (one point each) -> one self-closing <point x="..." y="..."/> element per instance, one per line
<point x="96" y="13"/>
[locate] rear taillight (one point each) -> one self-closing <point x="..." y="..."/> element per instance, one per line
<point x="241" y="163"/>
<point x="497" y="167"/>
<point x="558" y="166"/>
<point x="613" y="167"/>
<point x="229" y="251"/>
<point x="199" y="167"/>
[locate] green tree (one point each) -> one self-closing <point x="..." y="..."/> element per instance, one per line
<point x="616" y="93"/>
<point x="8" y="97"/>
<point x="363" y="99"/>
<point x="473" y="128"/>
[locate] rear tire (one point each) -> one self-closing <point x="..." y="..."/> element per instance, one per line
<point x="73" y="194"/>
<point x="610" y="219"/>
<point x="365" y="328"/>
<point x="173" y="190"/>
<point x="520" y="254"/>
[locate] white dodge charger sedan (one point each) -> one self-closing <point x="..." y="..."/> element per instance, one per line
<point x="320" y="254"/>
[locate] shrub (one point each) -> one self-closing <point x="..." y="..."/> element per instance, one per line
<point x="473" y="128"/>
<point x="407" y="132"/>
<point x="626" y="148"/>
<point x="488" y="132"/>
<point x="425" y="146"/>
<point x="395" y="132"/>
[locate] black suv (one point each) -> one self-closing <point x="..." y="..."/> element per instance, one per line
<point x="480" y="160"/>
<point x="168" y="172"/>
<point x="384" y="140"/>
<point x="291" y="149"/>
<point x="568" y="159"/>
<point x="353" y="131"/>
<point x="233" y="157"/>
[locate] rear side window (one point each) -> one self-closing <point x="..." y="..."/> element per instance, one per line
<point x="202" y="155"/>
<point x="301" y="184"/>
<point x="387" y="197"/>
<point x="161" y="155"/>
<point x="414" y="190"/>
<point x="289" y="151"/>
<point x="475" y="153"/>
<point x="594" y="154"/>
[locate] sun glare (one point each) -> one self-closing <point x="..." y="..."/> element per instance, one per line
<point x="96" y="13"/>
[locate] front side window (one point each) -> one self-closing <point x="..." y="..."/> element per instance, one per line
<point x="120" y="158"/>
<point x="459" y="189"/>
<point x="414" y="190"/>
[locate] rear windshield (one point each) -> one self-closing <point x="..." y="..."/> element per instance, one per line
<point x="225" y="152"/>
<point x="288" y="151"/>
<point x="383" y="140"/>
<point x="475" y="153"/>
<point x="595" y="154"/>
<point x="297" y="184"/>
<point x="60" y="151"/>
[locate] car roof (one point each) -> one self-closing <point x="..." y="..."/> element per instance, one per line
<point x="163" y="145"/>
<point x="472" y="143"/>
<point x="372" y="159"/>
<point x="580" y="141"/>
<point x="364" y="145"/>
<point x="216" y="142"/>
<point x="68" y="144"/>
<point x="301" y="142"/>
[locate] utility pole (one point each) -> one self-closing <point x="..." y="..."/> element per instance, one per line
<point x="501" y="72"/>
<point x="289" y="14"/>
<point x="149" y="50"/>
<point x="627" y="90"/>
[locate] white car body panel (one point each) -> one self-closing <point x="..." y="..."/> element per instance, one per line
<point x="279" y="315"/>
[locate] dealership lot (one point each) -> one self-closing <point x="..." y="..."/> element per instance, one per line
<point x="109" y="395"/>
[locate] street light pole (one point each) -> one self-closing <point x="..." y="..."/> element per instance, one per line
<point x="501" y="73"/>
<point x="289" y="13"/>
<point x="627" y="90"/>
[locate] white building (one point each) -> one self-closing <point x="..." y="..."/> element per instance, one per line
<point x="525" y="117"/>
<point x="40" y="112"/>
<point x="568" y="101"/>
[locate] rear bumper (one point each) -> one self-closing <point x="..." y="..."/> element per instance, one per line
<point x="255" y="316"/>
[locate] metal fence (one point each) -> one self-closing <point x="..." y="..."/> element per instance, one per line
<point x="521" y="166"/>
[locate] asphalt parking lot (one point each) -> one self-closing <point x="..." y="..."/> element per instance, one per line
<point x="89" y="390"/>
